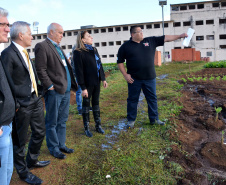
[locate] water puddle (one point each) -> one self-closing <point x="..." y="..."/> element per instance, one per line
<point x="121" y="127"/>
<point x="161" y="77"/>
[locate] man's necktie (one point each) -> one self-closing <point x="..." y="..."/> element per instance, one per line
<point x="31" y="72"/>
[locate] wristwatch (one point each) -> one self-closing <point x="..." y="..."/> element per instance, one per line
<point x="1" y="128"/>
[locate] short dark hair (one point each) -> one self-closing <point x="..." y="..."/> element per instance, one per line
<point x="133" y="28"/>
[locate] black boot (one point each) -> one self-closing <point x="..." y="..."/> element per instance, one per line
<point x="96" y="116"/>
<point x="85" y="116"/>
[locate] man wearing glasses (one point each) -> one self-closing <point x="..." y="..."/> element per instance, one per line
<point x="139" y="53"/>
<point x="7" y="111"/>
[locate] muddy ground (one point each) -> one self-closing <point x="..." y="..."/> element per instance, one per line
<point x="200" y="151"/>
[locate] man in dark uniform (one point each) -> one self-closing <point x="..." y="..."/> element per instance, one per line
<point x="139" y="53"/>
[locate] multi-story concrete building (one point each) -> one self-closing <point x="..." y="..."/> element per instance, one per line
<point x="207" y="18"/>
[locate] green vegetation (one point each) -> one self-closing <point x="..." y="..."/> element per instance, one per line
<point x="220" y="64"/>
<point x="218" y="110"/>
<point x="137" y="157"/>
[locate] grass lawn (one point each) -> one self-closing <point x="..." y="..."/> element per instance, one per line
<point x="137" y="156"/>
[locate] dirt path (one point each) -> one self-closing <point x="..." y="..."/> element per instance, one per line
<point x="201" y="153"/>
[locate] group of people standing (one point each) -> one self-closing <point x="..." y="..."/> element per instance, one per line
<point x="21" y="93"/>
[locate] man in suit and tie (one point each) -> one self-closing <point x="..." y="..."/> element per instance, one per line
<point x="56" y="76"/>
<point x="23" y="80"/>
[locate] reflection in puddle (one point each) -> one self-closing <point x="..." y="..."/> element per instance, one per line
<point x="117" y="129"/>
<point x="161" y="77"/>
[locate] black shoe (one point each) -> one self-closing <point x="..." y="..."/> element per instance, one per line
<point x="67" y="150"/>
<point x="38" y="164"/>
<point x="32" y="179"/>
<point x="88" y="133"/>
<point x="157" y="122"/>
<point x="99" y="129"/>
<point x="79" y="112"/>
<point x="58" y="155"/>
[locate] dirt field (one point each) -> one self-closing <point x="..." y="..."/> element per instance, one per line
<point x="200" y="151"/>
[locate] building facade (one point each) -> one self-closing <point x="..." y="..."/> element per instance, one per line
<point x="207" y="18"/>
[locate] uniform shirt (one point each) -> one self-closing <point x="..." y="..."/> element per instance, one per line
<point x="140" y="57"/>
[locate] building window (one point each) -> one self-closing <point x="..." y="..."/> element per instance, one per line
<point x="118" y="43"/>
<point x="166" y="25"/>
<point x="104" y="56"/>
<point x="28" y="50"/>
<point x="103" y="30"/>
<point x="176" y="24"/>
<point x="75" y="33"/>
<point x="89" y="31"/>
<point x="177" y="47"/>
<point x="110" y="29"/>
<point x="200" y="6"/>
<point x="209" y="53"/>
<point x="187" y="23"/>
<point x="69" y="34"/>
<point x="215" y="4"/>
<point x="63" y="34"/>
<point x="223" y="46"/>
<point x="125" y="28"/>
<point x="175" y="8"/>
<point x="111" y="56"/>
<point x="222" y="21"/>
<point x="63" y="47"/>
<point x="183" y="7"/>
<point x="199" y="23"/>
<point x="209" y="21"/>
<point x="222" y="36"/>
<point x="96" y="31"/>
<point x="223" y="4"/>
<point x="39" y="37"/>
<point x="103" y="43"/>
<point x="33" y="49"/>
<point x="210" y="37"/>
<point x="156" y="25"/>
<point x="69" y="47"/>
<point x="191" y="7"/>
<point x="198" y="38"/>
<point x="96" y="44"/>
<point x="148" y="26"/>
<point x="118" y="29"/>
<point x="44" y="36"/>
<point x="111" y="43"/>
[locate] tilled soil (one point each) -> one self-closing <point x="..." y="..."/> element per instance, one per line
<point x="200" y="151"/>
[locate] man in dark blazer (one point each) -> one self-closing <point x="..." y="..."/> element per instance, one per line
<point x="7" y="111"/>
<point x="23" y="80"/>
<point x="56" y="76"/>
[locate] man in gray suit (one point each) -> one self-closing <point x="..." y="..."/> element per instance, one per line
<point x="56" y="76"/>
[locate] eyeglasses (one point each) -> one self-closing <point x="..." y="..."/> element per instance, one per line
<point x="141" y="31"/>
<point x="5" y="25"/>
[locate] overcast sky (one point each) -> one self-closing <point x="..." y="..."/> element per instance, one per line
<point x="72" y="14"/>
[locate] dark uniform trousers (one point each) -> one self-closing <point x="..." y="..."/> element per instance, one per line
<point x="32" y="115"/>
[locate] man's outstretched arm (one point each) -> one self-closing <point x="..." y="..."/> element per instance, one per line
<point x="169" y="38"/>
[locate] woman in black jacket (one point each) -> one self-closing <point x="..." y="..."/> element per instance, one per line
<point x="89" y="74"/>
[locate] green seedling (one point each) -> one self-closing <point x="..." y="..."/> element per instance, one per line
<point x="218" y="110"/>
<point x="211" y="78"/>
<point x="218" y="78"/>
<point x="184" y="80"/>
<point x="224" y="78"/>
